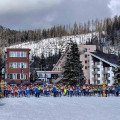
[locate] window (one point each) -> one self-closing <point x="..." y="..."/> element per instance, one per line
<point x="13" y="65"/>
<point x="23" y="54"/>
<point x="14" y="76"/>
<point x="85" y="56"/>
<point x="10" y="65"/>
<point x="108" y="75"/>
<point x="108" y="81"/>
<point x="18" y="65"/>
<point x="25" y="65"/>
<point x="11" y="77"/>
<point x="98" y="81"/>
<point x="85" y="67"/>
<point x="98" y="69"/>
<point x="98" y="63"/>
<point x="17" y="54"/>
<point x="24" y="76"/>
<point x="108" y="68"/>
<point x="21" y="76"/>
<point x="85" y="49"/>
<point x="85" y="61"/>
<point x="22" y="65"/>
<point x="18" y="76"/>
<point x="40" y="75"/>
<point x="98" y="75"/>
<point x="12" y="54"/>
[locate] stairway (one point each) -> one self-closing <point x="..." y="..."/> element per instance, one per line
<point x="57" y="80"/>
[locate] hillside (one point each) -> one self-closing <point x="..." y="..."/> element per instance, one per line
<point x="54" y="45"/>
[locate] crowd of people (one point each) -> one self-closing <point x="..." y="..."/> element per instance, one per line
<point x="59" y="90"/>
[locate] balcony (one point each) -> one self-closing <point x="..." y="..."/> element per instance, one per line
<point x="98" y="81"/>
<point x="98" y="63"/>
<point x="108" y="69"/>
<point x="104" y="72"/>
<point x="106" y="76"/>
<point x="95" y="78"/>
<point x="94" y="72"/>
<point x="93" y="66"/>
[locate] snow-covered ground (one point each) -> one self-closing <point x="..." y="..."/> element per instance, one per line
<point x="64" y="108"/>
<point x="52" y="45"/>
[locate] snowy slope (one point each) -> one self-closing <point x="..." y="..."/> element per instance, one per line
<point x="53" y="44"/>
<point x="64" y="108"/>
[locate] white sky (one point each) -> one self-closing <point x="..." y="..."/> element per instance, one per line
<point x="32" y="14"/>
<point x="114" y="6"/>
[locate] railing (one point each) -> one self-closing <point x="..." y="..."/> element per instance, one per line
<point x="104" y="72"/>
<point x="61" y="57"/>
<point x="57" y="80"/>
<point x="95" y="78"/>
<point x="94" y="72"/>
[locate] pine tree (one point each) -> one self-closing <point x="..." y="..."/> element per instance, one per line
<point x="73" y="73"/>
<point x="117" y="72"/>
<point x="43" y="62"/>
<point x="31" y="78"/>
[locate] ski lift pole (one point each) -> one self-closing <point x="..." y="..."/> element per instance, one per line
<point x="2" y="86"/>
<point x="104" y="88"/>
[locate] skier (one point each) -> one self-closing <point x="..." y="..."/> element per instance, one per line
<point x="117" y="89"/>
<point x="54" y="90"/>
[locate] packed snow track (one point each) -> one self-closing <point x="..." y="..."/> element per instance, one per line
<point x="64" y="108"/>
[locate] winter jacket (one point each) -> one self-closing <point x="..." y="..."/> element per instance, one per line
<point x="54" y="90"/>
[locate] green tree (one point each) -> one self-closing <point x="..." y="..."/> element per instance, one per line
<point x="73" y="73"/>
<point x="117" y="72"/>
<point x="43" y="62"/>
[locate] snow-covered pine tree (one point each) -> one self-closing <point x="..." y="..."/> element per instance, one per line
<point x="117" y="73"/>
<point x="73" y="73"/>
<point x="43" y="62"/>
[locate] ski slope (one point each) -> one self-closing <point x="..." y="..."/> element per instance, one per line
<point x="52" y="45"/>
<point x="64" y="108"/>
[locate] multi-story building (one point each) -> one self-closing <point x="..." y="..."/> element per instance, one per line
<point x="85" y="53"/>
<point x="84" y="57"/>
<point x="101" y="67"/>
<point x="49" y="76"/>
<point x="97" y="66"/>
<point x="17" y="65"/>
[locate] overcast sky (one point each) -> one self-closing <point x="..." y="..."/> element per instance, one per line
<point x="34" y="14"/>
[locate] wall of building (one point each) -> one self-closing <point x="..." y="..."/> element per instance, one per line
<point x="84" y="57"/>
<point x="18" y="69"/>
<point x="100" y="72"/>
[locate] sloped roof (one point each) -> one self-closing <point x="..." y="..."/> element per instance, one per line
<point x="111" y="58"/>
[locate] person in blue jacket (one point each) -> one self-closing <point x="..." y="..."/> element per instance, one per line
<point x="27" y="92"/>
<point x="54" y="90"/>
<point x="117" y="89"/>
<point x="37" y="92"/>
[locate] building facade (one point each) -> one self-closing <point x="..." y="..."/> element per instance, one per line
<point x="97" y="66"/>
<point x="85" y="54"/>
<point x="85" y="51"/>
<point x="17" y="65"/>
<point x="49" y="76"/>
<point x="101" y="68"/>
